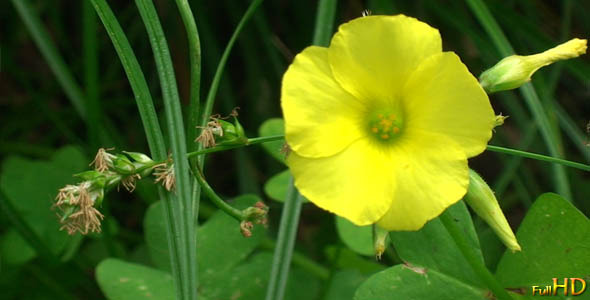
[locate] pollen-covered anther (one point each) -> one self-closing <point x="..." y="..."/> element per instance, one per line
<point x="385" y="126"/>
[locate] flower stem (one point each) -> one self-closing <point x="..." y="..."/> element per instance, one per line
<point x="539" y="157"/>
<point x="265" y="139"/>
<point x="222" y="62"/>
<point x="183" y="206"/>
<point x="469" y="253"/>
<point x="549" y="133"/>
<point x="152" y="130"/>
<point x="252" y="141"/>
<point x="206" y="188"/>
<point x="285" y="242"/>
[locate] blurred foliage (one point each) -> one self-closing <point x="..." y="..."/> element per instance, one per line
<point x="43" y="141"/>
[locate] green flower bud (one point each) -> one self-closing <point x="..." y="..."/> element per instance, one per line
<point x="139" y="157"/>
<point x="482" y="200"/>
<point x="122" y="165"/>
<point x="515" y="70"/>
<point x="232" y="134"/>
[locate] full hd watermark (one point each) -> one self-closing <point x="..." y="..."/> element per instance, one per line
<point x="570" y="286"/>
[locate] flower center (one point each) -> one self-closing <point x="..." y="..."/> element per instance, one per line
<point x="385" y="125"/>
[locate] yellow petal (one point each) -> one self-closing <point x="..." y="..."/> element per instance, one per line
<point x="321" y="118"/>
<point x="431" y="175"/>
<point x="371" y="57"/>
<point x="356" y="184"/>
<point x="443" y="97"/>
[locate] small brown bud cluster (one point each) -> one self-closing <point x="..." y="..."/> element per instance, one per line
<point x="257" y="214"/>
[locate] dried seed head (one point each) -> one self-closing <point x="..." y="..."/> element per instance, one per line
<point x="164" y="172"/>
<point x="77" y="211"/>
<point x="103" y="160"/>
<point x="129" y="182"/>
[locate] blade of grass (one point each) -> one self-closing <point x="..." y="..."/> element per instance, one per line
<point x="194" y="42"/>
<point x="528" y="92"/>
<point x="57" y="65"/>
<point x="292" y="207"/>
<point x="153" y="133"/>
<point x="194" y="47"/>
<point x="324" y="22"/>
<point x="208" y="108"/>
<point x="90" y="58"/>
<point x="177" y="137"/>
<point x="283" y="253"/>
<point x="49" y="52"/>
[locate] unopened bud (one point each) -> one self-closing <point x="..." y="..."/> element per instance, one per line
<point x="233" y="134"/>
<point x="103" y="160"/>
<point x="482" y="200"/>
<point x="500" y="120"/>
<point x="139" y="157"/>
<point x="257" y="213"/>
<point x="380" y="238"/>
<point x="122" y="165"/>
<point x="515" y="70"/>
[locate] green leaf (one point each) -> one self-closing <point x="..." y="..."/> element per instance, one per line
<point x="343" y="285"/>
<point x="434" y="248"/>
<point x="127" y="281"/>
<point x="274" y="126"/>
<point x="220" y="245"/>
<point x="555" y="244"/>
<point x="358" y="238"/>
<point x="154" y="227"/>
<point x="416" y="283"/>
<point x="276" y="187"/>
<point x="249" y="280"/>
<point x="31" y="186"/>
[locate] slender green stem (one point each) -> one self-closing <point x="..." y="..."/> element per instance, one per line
<point x="151" y="126"/>
<point x="185" y="219"/>
<point x="222" y="62"/>
<point x="528" y="92"/>
<point x="206" y="188"/>
<point x="252" y="141"/>
<point x="90" y="53"/>
<point x="512" y="165"/>
<point x="285" y="242"/>
<point x="292" y="206"/>
<point x="324" y="22"/>
<point x="194" y="47"/>
<point x="472" y="258"/>
<point x="264" y="139"/>
<point x="539" y="157"/>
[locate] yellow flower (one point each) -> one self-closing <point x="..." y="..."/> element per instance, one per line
<point x="381" y="123"/>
